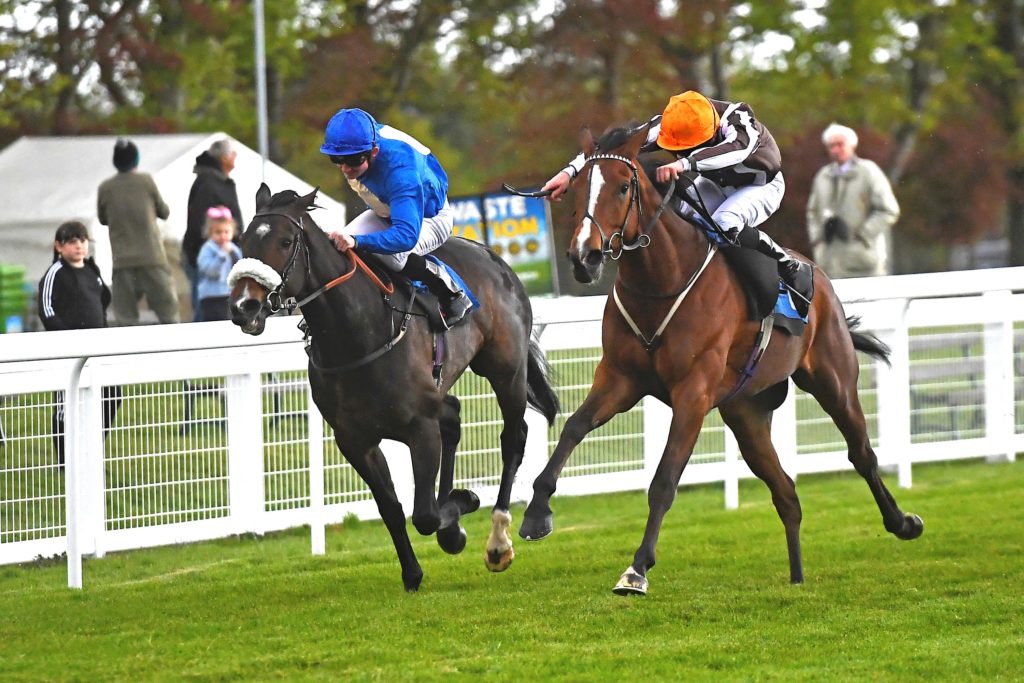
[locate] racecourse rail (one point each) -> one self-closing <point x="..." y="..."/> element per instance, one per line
<point x="216" y="433"/>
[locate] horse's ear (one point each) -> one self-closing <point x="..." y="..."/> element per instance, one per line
<point x="587" y="141"/>
<point x="308" y="200"/>
<point x="262" y="196"/>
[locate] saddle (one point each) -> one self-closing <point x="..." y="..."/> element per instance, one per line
<point x="421" y="301"/>
<point x="758" y="274"/>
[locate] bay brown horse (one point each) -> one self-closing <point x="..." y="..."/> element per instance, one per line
<point x="371" y="373"/>
<point x="704" y="348"/>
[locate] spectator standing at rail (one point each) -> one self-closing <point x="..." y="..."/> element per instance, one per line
<point x="851" y="210"/>
<point x="129" y="204"/>
<point x="216" y="257"/>
<point x="73" y="296"/>
<point x="213" y="186"/>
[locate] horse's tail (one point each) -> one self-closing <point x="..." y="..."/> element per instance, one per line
<point x="866" y="342"/>
<point x="539" y="392"/>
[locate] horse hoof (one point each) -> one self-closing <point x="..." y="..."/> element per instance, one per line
<point x="426" y="524"/>
<point x="497" y="561"/>
<point x="452" y="539"/>
<point x="535" y="528"/>
<point x="412" y="581"/>
<point x="913" y="526"/>
<point x="631" y="583"/>
<point x="466" y="500"/>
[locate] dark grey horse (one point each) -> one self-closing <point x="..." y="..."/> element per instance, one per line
<point x="371" y="373"/>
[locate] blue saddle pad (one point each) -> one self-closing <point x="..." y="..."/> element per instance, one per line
<point x="455" y="278"/>
<point x="784" y="305"/>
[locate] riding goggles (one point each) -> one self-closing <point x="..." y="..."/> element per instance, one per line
<point x="350" y="160"/>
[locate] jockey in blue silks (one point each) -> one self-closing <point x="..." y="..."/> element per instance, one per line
<point x="407" y="192"/>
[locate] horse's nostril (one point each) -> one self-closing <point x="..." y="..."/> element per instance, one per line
<point x="593" y="257"/>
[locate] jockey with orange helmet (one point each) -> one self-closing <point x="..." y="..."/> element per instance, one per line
<point x="739" y="173"/>
<point x="407" y="192"/>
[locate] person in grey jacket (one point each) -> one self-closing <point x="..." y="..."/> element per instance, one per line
<point x="129" y="204"/>
<point x="851" y="210"/>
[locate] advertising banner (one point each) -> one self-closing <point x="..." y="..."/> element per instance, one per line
<point x="517" y="228"/>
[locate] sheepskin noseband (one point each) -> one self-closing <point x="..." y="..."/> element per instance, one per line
<point x="256" y="270"/>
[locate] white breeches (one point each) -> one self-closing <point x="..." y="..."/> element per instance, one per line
<point x="742" y="207"/>
<point x="433" y="233"/>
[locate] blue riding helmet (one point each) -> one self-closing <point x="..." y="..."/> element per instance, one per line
<point x="350" y="131"/>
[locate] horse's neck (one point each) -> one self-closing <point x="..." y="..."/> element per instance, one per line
<point x="676" y="251"/>
<point x="347" y="320"/>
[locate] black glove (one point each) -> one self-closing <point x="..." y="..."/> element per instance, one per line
<point x="836" y="228"/>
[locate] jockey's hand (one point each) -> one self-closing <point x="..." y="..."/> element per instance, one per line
<point x="558" y="184"/>
<point x="342" y="240"/>
<point x="669" y="172"/>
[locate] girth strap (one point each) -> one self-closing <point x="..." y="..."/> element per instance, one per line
<point x="760" y="344"/>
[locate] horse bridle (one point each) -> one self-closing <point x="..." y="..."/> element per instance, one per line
<point x="275" y="297"/>
<point x="275" y="302"/>
<point x="643" y="239"/>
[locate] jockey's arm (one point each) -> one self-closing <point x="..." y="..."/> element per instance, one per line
<point x="406" y="222"/>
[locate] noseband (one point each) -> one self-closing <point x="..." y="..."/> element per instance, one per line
<point x="614" y="245"/>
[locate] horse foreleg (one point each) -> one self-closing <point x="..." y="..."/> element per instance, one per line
<point x="453" y="502"/>
<point x="611" y="394"/>
<point x="425" y="450"/>
<point x="752" y="425"/>
<point x="688" y="410"/>
<point x="373" y="468"/>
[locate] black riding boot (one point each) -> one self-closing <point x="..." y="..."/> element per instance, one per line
<point x="454" y="302"/>
<point x="798" y="275"/>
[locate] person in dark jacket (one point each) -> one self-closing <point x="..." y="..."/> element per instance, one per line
<point x="73" y="296"/>
<point x="213" y="186"/>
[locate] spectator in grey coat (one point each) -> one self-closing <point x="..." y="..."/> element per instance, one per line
<point x="851" y="210"/>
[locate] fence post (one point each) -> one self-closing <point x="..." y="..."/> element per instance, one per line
<point x="784" y="433"/>
<point x="999" y="374"/>
<point x="317" y="526"/>
<point x="245" y="452"/>
<point x="894" y="395"/>
<point x="74" y="470"/>
<point x="93" y="485"/>
<point x="657" y="423"/>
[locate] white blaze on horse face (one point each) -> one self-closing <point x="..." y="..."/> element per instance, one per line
<point x="596" y="183"/>
<point x="262" y="230"/>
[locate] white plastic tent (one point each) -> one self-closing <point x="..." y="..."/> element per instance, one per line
<point x="48" y="180"/>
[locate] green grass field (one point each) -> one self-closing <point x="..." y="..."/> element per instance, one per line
<point x="944" y="607"/>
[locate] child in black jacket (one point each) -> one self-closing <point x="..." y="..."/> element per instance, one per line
<point x="73" y="296"/>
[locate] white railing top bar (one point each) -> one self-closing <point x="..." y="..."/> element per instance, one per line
<point x="883" y="288"/>
<point x="119" y="341"/>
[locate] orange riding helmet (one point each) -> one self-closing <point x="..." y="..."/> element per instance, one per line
<point x="689" y="120"/>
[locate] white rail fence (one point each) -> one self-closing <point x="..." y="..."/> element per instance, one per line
<point x="213" y="433"/>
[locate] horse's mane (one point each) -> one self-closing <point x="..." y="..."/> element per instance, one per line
<point x="616" y="137"/>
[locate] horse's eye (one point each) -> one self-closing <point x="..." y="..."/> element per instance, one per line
<point x="624" y="189"/>
<point x="286" y="243"/>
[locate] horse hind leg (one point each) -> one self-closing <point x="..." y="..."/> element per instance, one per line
<point x="751" y="422"/>
<point x="453" y="502"/>
<point x="835" y="389"/>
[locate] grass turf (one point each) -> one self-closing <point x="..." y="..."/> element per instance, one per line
<point x="944" y="607"/>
